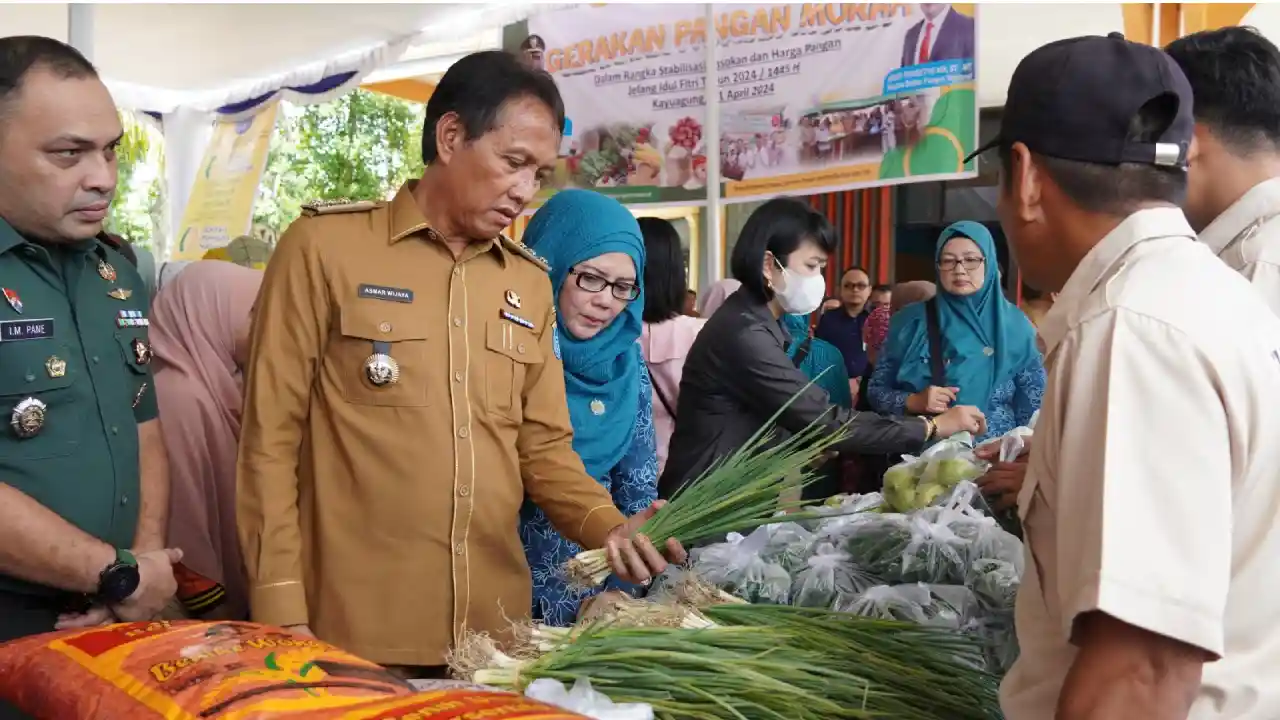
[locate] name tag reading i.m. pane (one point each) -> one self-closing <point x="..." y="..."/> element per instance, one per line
<point x="26" y="329"/>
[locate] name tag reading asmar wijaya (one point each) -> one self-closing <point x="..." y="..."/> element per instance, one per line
<point x="26" y="329"/>
<point x="382" y="292"/>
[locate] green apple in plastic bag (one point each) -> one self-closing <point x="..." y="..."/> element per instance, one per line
<point x="928" y="493"/>
<point x="950" y="472"/>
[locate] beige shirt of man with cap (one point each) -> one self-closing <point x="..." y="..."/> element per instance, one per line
<point x="1152" y="583"/>
<point x="1233" y="196"/>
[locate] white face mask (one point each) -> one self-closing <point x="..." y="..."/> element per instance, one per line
<point x="800" y="295"/>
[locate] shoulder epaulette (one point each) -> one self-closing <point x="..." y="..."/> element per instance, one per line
<point x="334" y="207"/>
<point x="525" y="252"/>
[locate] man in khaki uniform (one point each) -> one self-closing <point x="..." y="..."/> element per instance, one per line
<point x="405" y="393"/>
<point x="1149" y="508"/>
<point x="1233" y="193"/>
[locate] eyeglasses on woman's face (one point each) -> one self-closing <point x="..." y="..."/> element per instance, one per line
<point x="625" y="290"/>
<point x="968" y="262"/>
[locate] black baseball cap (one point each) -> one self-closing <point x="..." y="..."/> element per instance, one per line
<point x="1074" y="99"/>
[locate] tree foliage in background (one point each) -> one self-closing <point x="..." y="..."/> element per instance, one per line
<point x="361" y="146"/>
<point x="130" y="216"/>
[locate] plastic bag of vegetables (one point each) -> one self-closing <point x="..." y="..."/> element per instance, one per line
<point x="879" y="543"/>
<point x="790" y="544"/>
<point x="737" y="566"/>
<point x="830" y="574"/>
<point x="944" y="606"/>
<point x="934" y="553"/>
<point x="995" y="583"/>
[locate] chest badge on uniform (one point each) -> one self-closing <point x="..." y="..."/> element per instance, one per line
<point x="516" y="319"/>
<point x="121" y="293"/>
<point x="382" y="370"/>
<point x="555" y="340"/>
<point x="27" y="418"/>
<point x="137" y="397"/>
<point x="55" y="366"/>
<point x="141" y="352"/>
<point x="597" y="407"/>
<point x="15" y="302"/>
<point x="107" y="272"/>
<point x="131" y="318"/>
<point x="512" y="299"/>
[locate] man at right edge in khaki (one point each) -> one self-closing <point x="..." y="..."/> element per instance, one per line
<point x="404" y="393"/>
<point x="1233" y="186"/>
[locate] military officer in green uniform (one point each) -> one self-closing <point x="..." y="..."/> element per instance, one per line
<point x="83" y="474"/>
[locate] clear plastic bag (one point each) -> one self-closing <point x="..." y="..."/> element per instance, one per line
<point x="738" y="567"/>
<point x="890" y="602"/>
<point x="946" y="606"/>
<point x="877" y="544"/>
<point x="995" y="583"/>
<point x="790" y="544"/>
<point x="947" y="465"/>
<point x="999" y="641"/>
<point x="829" y="574"/>
<point x="899" y="484"/>
<point x="935" y="554"/>
<point x="585" y="700"/>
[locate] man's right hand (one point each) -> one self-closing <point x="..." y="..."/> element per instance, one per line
<point x="156" y="586"/>
<point x="931" y="400"/>
<point x="961" y="418"/>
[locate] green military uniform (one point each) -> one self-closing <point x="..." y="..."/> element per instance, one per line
<point x="75" y="382"/>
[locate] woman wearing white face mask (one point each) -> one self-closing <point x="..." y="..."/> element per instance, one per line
<point x="738" y="375"/>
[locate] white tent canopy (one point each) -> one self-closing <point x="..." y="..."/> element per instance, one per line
<point x="185" y="61"/>
<point x="158" y="57"/>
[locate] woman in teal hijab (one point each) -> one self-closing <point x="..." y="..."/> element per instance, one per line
<point x="596" y="254"/>
<point x="818" y="359"/>
<point x="990" y="358"/>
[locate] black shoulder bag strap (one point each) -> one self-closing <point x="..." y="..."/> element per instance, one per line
<point x="937" y="367"/>
<point x="658" y="391"/>
<point x="803" y="352"/>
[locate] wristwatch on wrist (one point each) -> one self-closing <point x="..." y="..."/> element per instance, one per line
<point x="119" y="580"/>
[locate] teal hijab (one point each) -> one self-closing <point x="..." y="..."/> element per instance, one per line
<point x="970" y="325"/>
<point x="824" y="364"/>
<point x="604" y="371"/>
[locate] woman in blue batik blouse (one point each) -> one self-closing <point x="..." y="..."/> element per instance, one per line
<point x="596" y="253"/>
<point x="990" y="358"/>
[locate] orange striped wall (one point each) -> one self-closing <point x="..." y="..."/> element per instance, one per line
<point x="863" y="220"/>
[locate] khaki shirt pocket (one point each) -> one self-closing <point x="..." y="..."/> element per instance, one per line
<point x="511" y="350"/>
<point x="350" y="351"/>
<point x="39" y="374"/>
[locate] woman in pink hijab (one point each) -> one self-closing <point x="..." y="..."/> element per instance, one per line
<point x="200" y="335"/>
<point x="715" y="297"/>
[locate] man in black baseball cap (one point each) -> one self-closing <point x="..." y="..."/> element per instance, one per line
<point x="1145" y="482"/>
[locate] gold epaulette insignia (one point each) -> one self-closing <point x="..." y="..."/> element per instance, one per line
<point x="525" y="252"/>
<point x="340" y="205"/>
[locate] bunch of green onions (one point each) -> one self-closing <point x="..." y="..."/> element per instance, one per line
<point x="759" y="667"/>
<point x="738" y="494"/>
<point x="932" y="672"/>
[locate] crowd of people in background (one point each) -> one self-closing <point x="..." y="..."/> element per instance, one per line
<point x="408" y="398"/>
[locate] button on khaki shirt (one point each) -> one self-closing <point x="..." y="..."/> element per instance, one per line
<point x="1153" y="488"/>
<point x="1247" y="238"/>
<point x="385" y="517"/>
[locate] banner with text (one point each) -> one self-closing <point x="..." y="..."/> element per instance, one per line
<point x="221" y="204"/>
<point x="813" y="97"/>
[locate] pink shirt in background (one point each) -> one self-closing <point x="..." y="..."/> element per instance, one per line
<point x="665" y="346"/>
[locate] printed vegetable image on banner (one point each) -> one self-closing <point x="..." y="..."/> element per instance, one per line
<point x="813" y="97"/>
